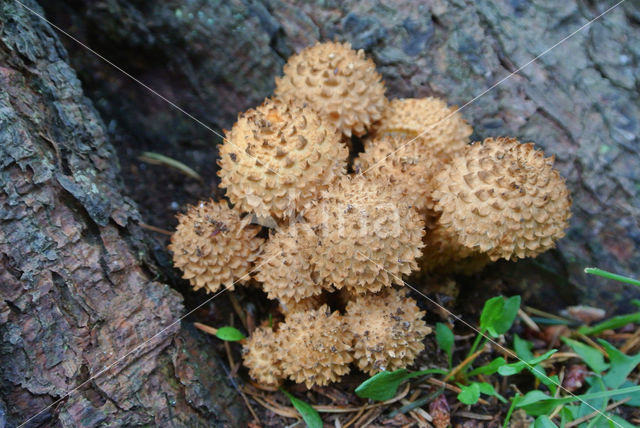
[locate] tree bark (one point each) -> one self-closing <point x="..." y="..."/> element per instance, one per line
<point x="75" y="293"/>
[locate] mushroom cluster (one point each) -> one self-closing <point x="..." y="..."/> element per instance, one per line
<point x="420" y="198"/>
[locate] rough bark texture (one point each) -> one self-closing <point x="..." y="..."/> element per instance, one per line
<point x="74" y="291"/>
<point x="579" y="101"/>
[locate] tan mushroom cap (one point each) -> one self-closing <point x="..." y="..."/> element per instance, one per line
<point x="315" y="347"/>
<point x="285" y="268"/>
<point x="442" y="129"/>
<point x="409" y="167"/>
<point x="261" y="355"/>
<point x="368" y="236"/>
<point x="504" y="199"/>
<point x="213" y="246"/>
<point x="388" y="330"/>
<point x="278" y="157"/>
<point x="338" y="82"/>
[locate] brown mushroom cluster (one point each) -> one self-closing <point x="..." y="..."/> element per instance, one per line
<point x="420" y="198"/>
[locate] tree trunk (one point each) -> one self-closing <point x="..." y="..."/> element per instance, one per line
<point x="75" y="294"/>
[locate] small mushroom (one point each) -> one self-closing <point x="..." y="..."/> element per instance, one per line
<point x="368" y="237"/>
<point x="442" y="129"/>
<point x="265" y="168"/>
<point x="504" y="199"/>
<point x="388" y="330"/>
<point x="213" y="246"/>
<point x="315" y="346"/>
<point x="409" y="167"/>
<point x="262" y="357"/>
<point x="338" y="82"/>
<point x="285" y="269"/>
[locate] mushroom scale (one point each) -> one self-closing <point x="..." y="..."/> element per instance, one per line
<point x="262" y="357"/>
<point x="409" y="167"/>
<point x="315" y="346"/>
<point x="442" y="129"/>
<point x="368" y="237"/>
<point x="504" y="199"/>
<point x="278" y="157"/>
<point x="338" y="82"/>
<point x="388" y="330"/>
<point x="285" y="268"/>
<point x="212" y="245"/>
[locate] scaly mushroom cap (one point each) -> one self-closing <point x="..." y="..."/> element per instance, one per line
<point x="444" y="255"/>
<point x="409" y="167"/>
<point x="289" y="306"/>
<point x="315" y="346"/>
<point x="338" y="82"/>
<point x="278" y="157"/>
<point x="261" y="355"/>
<point x="442" y="129"/>
<point x="368" y="236"/>
<point x="503" y="198"/>
<point x="285" y="268"/>
<point x="388" y="330"/>
<point x="212" y="245"/>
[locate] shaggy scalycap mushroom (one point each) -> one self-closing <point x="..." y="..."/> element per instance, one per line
<point x="261" y="355"/>
<point x="369" y="237"/>
<point x="388" y="330"/>
<point x="442" y="129"/>
<point x="443" y="254"/>
<point x="409" y="167"/>
<point x="213" y="246"/>
<point x="285" y="268"/>
<point x="315" y="346"/>
<point x="504" y="199"/>
<point x="278" y="157"/>
<point x="337" y="81"/>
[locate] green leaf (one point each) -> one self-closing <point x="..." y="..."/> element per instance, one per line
<point x="230" y="334"/>
<point x="538" y="403"/>
<point x="308" y="413"/>
<point x="490" y="368"/>
<point x="444" y="338"/>
<point x="544" y="422"/>
<point x="523" y="348"/>
<point x="614" y="276"/>
<point x="384" y="385"/>
<point x="487" y="389"/>
<point x="514" y="368"/>
<point x="635" y="397"/>
<point x="469" y="394"/>
<point x="589" y="354"/>
<point x="498" y="314"/>
<point x="621" y="365"/>
<point x="610" y="324"/>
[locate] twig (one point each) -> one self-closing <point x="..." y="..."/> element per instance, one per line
<point x="596" y="413"/>
<point x="464" y="363"/>
<point x="238" y="309"/>
<point x="154" y="229"/>
<point x="213" y="331"/>
<point x="527" y="320"/>
<point x="471" y="415"/>
<point x="631" y="342"/>
<point x="417" y="410"/>
<point x="158" y="159"/>
<point x="545" y="314"/>
<point x="592" y="343"/>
